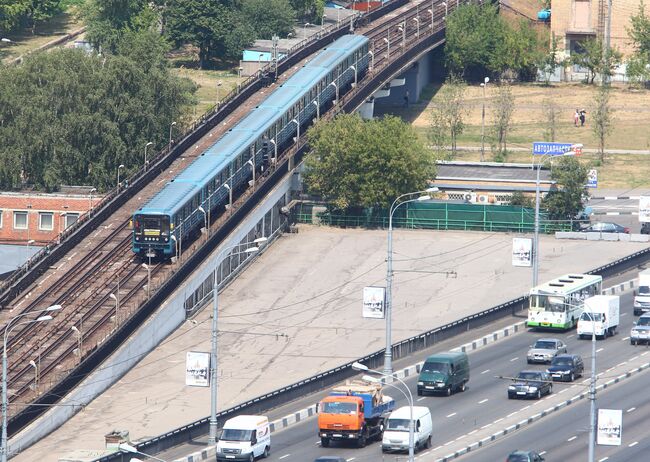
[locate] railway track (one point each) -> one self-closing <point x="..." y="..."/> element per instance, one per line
<point x="101" y="284"/>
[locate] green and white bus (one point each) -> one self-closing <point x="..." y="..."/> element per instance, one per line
<point x="559" y="303"/>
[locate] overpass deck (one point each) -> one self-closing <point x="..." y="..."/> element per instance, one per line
<point x="308" y="287"/>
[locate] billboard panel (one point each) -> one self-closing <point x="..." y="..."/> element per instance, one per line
<point x="374" y="302"/>
<point x="197" y="369"/>
<point x="644" y="209"/>
<point x="610" y="427"/>
<point x="522" y="251"/>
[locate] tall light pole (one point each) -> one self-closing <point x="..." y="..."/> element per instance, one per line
<point x="446" y="10"/>
<point x="417" y="25"/>
<point x="537" y="200"/>
<point x="35" y="366"/>
<point x="239" y="69"/>
<point x="5" y="403"/>
<point x="212" y="438"/>
<point x="218" y="87"/>
<point x="91" y="199"/>
<point x="252" y="164"/>
<point x="422" y="196"/>
<point x="484" y="85"/>
<point x="304" y="31"/>
<point x="150" y="143"/>
<point x="361" y="367"/>
<point x="205" y="217"/>
<point x="592" y="391"/>
<point x="148" y="268"/>
<point x="79" y="340"/>
<point x="171" y="126"/>
<point x="387" y="42"/>
<point x="117" y="306"/>
<point x="118" y="175"/>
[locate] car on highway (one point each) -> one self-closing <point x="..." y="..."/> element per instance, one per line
<point x="645" y="228"/>
<point x="524" y="456"/>
<point x="566" y="367"/>
<point x="606" y="227"/>
<point x="544" y="350"/>
<point x="640" y="332"/>
<point x="530" y="384"/>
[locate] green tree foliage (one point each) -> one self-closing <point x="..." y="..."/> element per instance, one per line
<point x="270" y="17"/>
<point x="601" y="124"/>
<point x="568" y="199"/>
<point x="216" y="27"/>
<point x="519" y="51"/>
<point x="596" y="60"/>
<point x="308" y="10"/>
<point x="11" y="12"/>
<point x="26" y="13"/>
<point x="639" y="33"/>
<point x="548" y="62"/>
<point x="519" y="198"/>
<point x="354" y="163"/>
<point x="67" y="117"/>
<point x="448" y="113"/>
<point x="502" y="120"/>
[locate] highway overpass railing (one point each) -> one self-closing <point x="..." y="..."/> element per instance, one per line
<point x="319" y="382"/>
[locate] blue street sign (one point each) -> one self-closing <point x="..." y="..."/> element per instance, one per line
<point x="592" y="178"/>
<point x="552" y="149"/>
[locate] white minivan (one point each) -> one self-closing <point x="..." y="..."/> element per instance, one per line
<point x="244" y="437"/>
<point x="396" y="431"/>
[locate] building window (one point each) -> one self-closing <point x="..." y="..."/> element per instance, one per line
<point x="20" y="220"/>
<point x="70" y="219"/>
<point x="46" y="221"/>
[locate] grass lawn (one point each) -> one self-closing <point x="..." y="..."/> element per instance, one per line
<point x="208" y="92"/>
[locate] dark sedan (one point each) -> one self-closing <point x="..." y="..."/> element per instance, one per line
<point x="566" y="368"/>
<point x="524" y="456"/>
<point x="606" y="227"/>
<point x="530" y="384"/>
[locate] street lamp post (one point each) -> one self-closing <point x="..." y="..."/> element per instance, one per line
<point x="4" y="450"/>
<point x="446" y="10"/>
<point x="484" y="86"/>
<point x="387" y="42"/>
<point x="402" y="29"/>
<point x="218" y="87"/>
<point x="170" y="132"/>
<point x="239" y="69"/>
<point x="304" y="31"/>
<point x="423" y="196"/>
<point x="117" y="305"/>
<point x="35" y="366"/>
<point x="417" y="25"/>
<point x="79" y="340"/>
<point x="91" y="198"/>
<point x="212" y="438"/>
<point x="118" y="175"/>
<point x="148" y="268"/>
<point x="360" y="367"/>
<point x="150" y="143"/>
<point x="227" y="186"/>
<point x="537" y="200"/>
<point x="128" y="448"/>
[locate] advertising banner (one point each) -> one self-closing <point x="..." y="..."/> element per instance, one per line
<point x="610" y="427"/>
<point x="374" y="301"/>
<point x="522" y="251"/>
<point x="197" y="369"/>
<point x="644" y="209"/>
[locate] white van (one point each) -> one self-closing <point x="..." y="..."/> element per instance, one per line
<point x="396" y="432"/>
<point x="642" y="294"/>
<point x="244" y="437"/>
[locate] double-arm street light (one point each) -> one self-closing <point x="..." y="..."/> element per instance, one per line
<point x="422" y="196"/>
<point x="537" y="200"/>
<point x="484" y="86"/>
<point x="5" y="403"/>
<point x="361" y="367"/>
<point x="121" y="166"/>
<point x="150" y="143"/>
<point x="171" y="126"/>
<point x="212" y="438"/>
<point x="133" y="450"/>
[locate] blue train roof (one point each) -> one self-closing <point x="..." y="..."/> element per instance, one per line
<point x="258" y="118"/>
<point x="348" y="42"/>
<point x="325" y="59"/>
<point x="232" y="141"/>
<point x="170" y="198"/>
<point x="199" y="170"/>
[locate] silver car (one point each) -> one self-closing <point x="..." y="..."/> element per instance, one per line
<point x="544" y="350"/>
<point x="640" y="333"/>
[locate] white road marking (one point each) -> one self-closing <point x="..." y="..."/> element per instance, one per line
<point x="439" y="447"/>
<point x="542" y="453"/>
<point x="643" y="354"/>
<point x="569" y="336"/>
<point x="514" y="359"/>
<point x="485" y="371"/>
<point x="350" y="459"/>
<point x="630" y="409"/>
<point x="623" y="314"/>
<point x="483" y="401"/>
<point x="512" y="413"/>
<point x="562" y="390"/>
<point x="472" y="432"/>
<point x="603" y="459"/>
<point x="524" y="408"/>
<point x="486" y="426"/>
<point x="625" y="338"/>
<point x="572" y="438"/>
<point x="420" y="399"/>
<point x="635" y="357"/>
<point x="451" y="415"/>
<point x="284" y="456"/>
<point x="633" y="444"/>
<point x="498" y="420"/>
<point x="599" y="350"/>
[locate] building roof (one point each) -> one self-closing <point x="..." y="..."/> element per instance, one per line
<point x="492" y="171"/>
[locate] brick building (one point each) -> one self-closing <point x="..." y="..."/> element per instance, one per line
<point x="33" y="218"/>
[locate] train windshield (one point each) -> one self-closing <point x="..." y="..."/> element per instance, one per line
<point x="152" y="226"/>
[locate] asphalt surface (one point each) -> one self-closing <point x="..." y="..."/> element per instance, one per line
<point x="480" y="408"/>
<point x="610" y="205"/>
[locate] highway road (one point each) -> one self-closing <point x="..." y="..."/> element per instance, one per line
<point x="463" y="416"/>
<point x="563" y="436"/>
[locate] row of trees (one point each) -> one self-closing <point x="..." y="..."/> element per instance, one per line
<point x="16" y="14"/>
<point x="68" y="117"/>
<point x="219" y="29"/>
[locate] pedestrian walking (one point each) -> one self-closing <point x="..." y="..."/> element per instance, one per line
<point x="583" y="117"/>
<point x="576" y="117"/>
<point x="406" y="99"/>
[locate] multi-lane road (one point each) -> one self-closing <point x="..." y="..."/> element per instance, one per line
<point x="484" y="407"/>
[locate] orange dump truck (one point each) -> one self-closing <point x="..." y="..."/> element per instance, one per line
<point x="353" y="412"/>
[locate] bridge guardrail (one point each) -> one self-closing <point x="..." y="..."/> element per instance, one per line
<point x="319" y="382"/>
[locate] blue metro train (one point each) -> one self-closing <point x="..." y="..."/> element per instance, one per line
<point x="179" y="209"/>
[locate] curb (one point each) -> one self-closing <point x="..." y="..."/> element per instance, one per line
<point x="615" y="198"/>
<point x="298" y="416"/>
<point x="534" y="418"/>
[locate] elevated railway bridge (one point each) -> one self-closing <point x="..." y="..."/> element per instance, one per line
<point x="105" y="292"/>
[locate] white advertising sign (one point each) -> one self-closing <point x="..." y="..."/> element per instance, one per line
<point x="644" y="209"/>
<point x="374" y="301"/>
<point x="197" y="369"/>
<point x="610" y="427"/>
<point x="522" y="251"/>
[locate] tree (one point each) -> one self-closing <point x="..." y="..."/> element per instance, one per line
<point x="308" y="10"/>
<point x="354" y="163"/>
<point x="639" y="33"/>
<point x="598" y="61"/>
<point x="551" y="110"/>
<point x="448" y="112"/>
<point x="519" y="198"/>
<point x="550" y="61"/>
<point x="270" y="17"/>
<point x="601" y="124"/>
<point x="505" y="106"/>
<point x="108" y="20"/>
<point x="519" y="51"/>
<point x="41" y="10"/>
<point x="568" y="199"/>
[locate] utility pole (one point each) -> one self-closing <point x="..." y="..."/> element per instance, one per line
<point x="608" y="38"/>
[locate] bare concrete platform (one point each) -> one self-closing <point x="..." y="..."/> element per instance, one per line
<point x="308" y="286"/>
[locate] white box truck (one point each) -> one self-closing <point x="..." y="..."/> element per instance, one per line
<point x="244" y="438"/>
<point x="601" y="316"/>
<point x="642" y="294"/>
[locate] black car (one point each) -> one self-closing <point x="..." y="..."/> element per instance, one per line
<point x="566" y="368"/>
<point x="530" y="384"/>
<point x="645" y="228"/>
<point x="524" y="456"/>
<point x="606" y="227"/>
